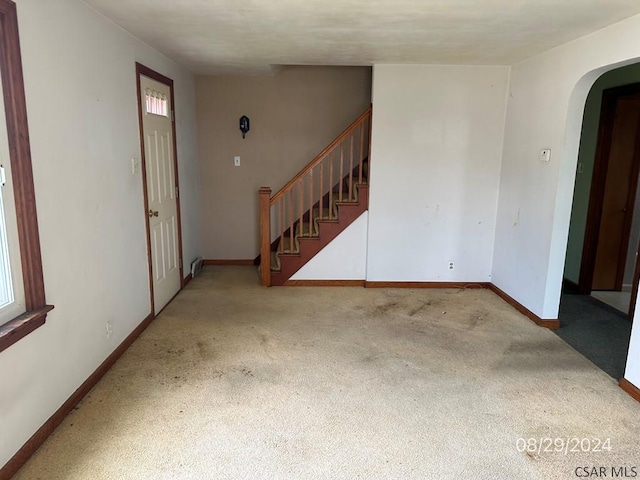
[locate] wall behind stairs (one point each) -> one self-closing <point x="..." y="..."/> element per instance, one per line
<point x="435" y="169"/>
<point x="294" y="115"/>
<point x="80" y="86"/>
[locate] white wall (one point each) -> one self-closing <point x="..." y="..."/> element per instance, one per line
<point x="546" y="102"/>
<point x="632" y="370"/>
<point x="344" y="258"/>
<point x="435" y="167"/>
<point x="81" y="99"/>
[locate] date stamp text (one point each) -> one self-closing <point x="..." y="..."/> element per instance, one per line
<point x="563" y="445"/>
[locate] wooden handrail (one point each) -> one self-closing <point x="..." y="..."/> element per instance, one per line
<point x="322" y="155"/>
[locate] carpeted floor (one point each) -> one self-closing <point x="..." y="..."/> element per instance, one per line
<point x="600" y="332"/>
<point x="235" y="381"/>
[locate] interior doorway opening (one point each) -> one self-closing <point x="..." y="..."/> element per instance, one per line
<point x="612" y="232"/>
<point x="601" y="266"/>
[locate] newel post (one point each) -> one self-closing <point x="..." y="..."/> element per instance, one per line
<point x="265" y="236"/>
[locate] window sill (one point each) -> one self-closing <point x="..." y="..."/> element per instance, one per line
<point x="22" y="325"/>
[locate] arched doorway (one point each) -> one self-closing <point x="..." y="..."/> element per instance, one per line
<point x="604" y="234"/>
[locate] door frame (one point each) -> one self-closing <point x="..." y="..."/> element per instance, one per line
<point x="598" y="183"/>
<point x="142" y="70"/>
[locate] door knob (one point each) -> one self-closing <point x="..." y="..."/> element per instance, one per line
<point x="153" y="213"/>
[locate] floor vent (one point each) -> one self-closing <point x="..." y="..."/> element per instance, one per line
<point x="196" y="267"/>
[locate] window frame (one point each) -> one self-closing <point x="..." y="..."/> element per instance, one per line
<point x="22" y="178"/>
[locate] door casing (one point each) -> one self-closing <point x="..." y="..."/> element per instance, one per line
<point x="148" y="72"/>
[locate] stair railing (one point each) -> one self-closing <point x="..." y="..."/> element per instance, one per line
<point x="310" y="194"/>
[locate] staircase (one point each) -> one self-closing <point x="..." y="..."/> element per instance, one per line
<point x="316" y="205"/>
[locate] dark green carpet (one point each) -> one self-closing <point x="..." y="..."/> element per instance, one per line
<point x="600" y="332"/>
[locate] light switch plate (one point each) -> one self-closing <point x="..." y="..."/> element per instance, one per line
<point x="135" y="165"/>
<point x="236" y="160"/>
<point x="545" y="155"/>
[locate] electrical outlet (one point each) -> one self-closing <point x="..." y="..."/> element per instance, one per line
<point x="236" y="160"/>
<point x="451" y="265"/>
<point x="109" y="329"/>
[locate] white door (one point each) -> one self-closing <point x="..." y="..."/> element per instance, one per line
<point x="162" y="211"/>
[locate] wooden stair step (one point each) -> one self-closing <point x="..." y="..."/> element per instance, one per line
<point x="307" y="247"/>
<point x="285" y="245"/>
<point x="317" y="216"/>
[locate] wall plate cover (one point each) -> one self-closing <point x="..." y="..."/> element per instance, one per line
<point x="545" y="155"/>
<point x="135" y="165"/>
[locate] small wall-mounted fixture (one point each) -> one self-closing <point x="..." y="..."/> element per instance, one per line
<point x="244" y="125"/>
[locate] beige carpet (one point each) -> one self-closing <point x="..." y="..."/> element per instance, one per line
<point x="235" y="381"/>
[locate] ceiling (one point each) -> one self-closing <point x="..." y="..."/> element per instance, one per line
<point x="256" y="36"/>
